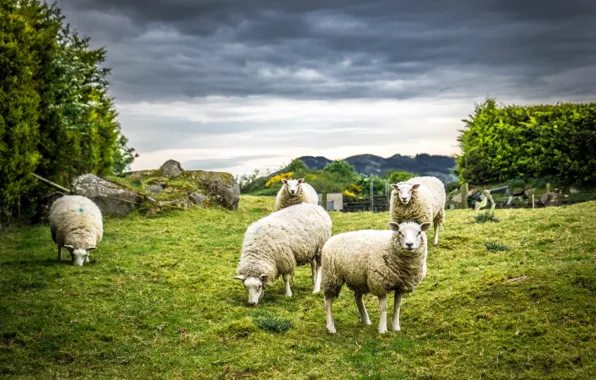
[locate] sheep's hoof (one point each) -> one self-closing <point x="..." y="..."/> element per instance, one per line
<point x="288" y="294"/>
<point x="331" y="330"/>
<point x="382" y="330"/>
<point x="396" y="328"/>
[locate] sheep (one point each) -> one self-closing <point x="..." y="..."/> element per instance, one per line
<point x="295" y="191"/>
<point x="76" y="224"/>
<point x="274" y="245"/>
<point x="377" y="262"/>
<point x="420" y="199"/>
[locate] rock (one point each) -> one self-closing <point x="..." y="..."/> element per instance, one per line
<point x="111" y="198"/>
<point x="220" y="187"/>
<point x="171" y="169"/>
<point x="155" y="189"/>
<point x="198" y="199"/>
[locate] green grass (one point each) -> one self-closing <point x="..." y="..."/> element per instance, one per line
<point x="158" y="301"/>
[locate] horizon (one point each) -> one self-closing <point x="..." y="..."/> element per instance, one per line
<point x="234" y="87"/>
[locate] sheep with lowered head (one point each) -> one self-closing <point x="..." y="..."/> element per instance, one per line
<point x="420" y="200"/>
<point x="295" y="191"/>
<point x="76" y="224"/>
<point x="276" y="244"/>
<point x="377" y="262"/>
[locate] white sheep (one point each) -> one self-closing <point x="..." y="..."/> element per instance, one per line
<point x="377" y="262"/>
<point x="76" y="224"/>
<point x="274" y="245"/>
<point x="295" y="191"/>
<point x="420" y="200"/>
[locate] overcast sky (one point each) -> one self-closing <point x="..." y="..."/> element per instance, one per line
<point x="235" y="84"/>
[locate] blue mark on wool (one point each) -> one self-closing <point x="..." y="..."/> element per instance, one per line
<point x="81" y="210"/>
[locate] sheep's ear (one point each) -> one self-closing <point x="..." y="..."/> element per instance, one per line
<point x="264" y="277"/>
<point x="395" y="186"/>
<point x="284" y="181"/>
<point x="394" y="226"/>
<point x="425" y="226"/>
<point x="301" y="180"/>
<point x="415" y="186"/>
<point x="240" y="277"/>
<point x="69" y="246"/>
<point x="91" y="248"/>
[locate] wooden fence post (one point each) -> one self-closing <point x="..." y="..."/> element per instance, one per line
<point x="548" y="188"/>
<point x="372" y="199"/>
<point x="464" y="196"/>
<point x="532" y="200"/>
<point x="324" y="200"/>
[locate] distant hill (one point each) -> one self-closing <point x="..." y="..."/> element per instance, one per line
<point x="368" y="164"/>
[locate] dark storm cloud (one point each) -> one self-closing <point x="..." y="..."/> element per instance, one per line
<point x="174" y="49"/>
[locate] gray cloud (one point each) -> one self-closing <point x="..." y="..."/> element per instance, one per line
<point x="220" y="163"/>
<point x="329" y="49"/>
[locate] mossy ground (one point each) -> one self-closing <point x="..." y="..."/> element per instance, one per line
<point x="528" y="312"/>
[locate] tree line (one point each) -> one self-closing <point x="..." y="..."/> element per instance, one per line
<point x="57" y="118"/>
<point x="539" y="142"/>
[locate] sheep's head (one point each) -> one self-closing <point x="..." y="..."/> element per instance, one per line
<point x="255" y="286"/>
<point x="293" y="186"/>
<point x="79" y="256"/>
<point x="410" y="234"/>
<point x="405" y="190"/>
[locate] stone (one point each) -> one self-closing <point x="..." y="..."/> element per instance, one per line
<point x="111" y="198"/>
<point x="171" y="169"/>
<point x="221" y="188"/>
<point x="155" y="189"/>
<point x="199" y="199"/>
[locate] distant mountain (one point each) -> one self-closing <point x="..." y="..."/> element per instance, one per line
<point x="368" y="164"/>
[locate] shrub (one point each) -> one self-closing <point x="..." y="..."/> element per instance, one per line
<point x="272" y="323"/>
<point x="495" y="246"/>
<point x="486" y="216"/>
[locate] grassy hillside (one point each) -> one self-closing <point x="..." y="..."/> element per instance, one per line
<point x="158" y="301"/>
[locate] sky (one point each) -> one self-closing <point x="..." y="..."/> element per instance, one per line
<point x="237" y="85"/>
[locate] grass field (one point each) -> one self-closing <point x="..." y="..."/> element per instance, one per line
<point x="158" y="301"/>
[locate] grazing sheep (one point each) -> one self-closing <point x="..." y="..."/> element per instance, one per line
<point x="420" y="200"/>
<point x="377" y="262"/>
<point x="274" y="245"/>
<point x="76" y="224"/>
<point x="295" y="191"/>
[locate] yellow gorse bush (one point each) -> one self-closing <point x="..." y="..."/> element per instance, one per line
<point x="278" y="178"/>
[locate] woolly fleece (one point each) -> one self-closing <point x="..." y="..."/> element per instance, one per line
<point x="76" y="221"/>
<point x="306" y="193"/>
<point x="373" y="261"/>
<point x="427" y="204"/>
<point x="290" y="237"/>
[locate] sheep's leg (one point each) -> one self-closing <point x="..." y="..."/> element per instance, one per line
<point x="329" y="314"/>
<point x="383" y="314"/>
<point x="59" y="258"/>
<point x="287" y="285"/>
<point x="313" y="268"/>
<point x="364" y="319"/>
<point x="87" y="259"/>
<point x="396" y="307"/>
<point x="317" y="276"/>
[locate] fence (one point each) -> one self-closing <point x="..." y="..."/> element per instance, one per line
<point x="380" y="203"/>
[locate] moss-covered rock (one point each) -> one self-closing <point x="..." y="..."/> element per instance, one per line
<point x="186" y="189"/>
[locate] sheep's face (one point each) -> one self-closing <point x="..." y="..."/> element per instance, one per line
<point x="79" y="256"/>
<point x="255" y="286"/>
<point x="410" y="234"/>
<point x="404" y="191"/>
<point x="293" y="186"/>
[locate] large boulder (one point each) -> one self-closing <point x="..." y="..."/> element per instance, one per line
<point x="111" y="198"/>
<point x="219" y="187"/>
<point x="171" y="169"/>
